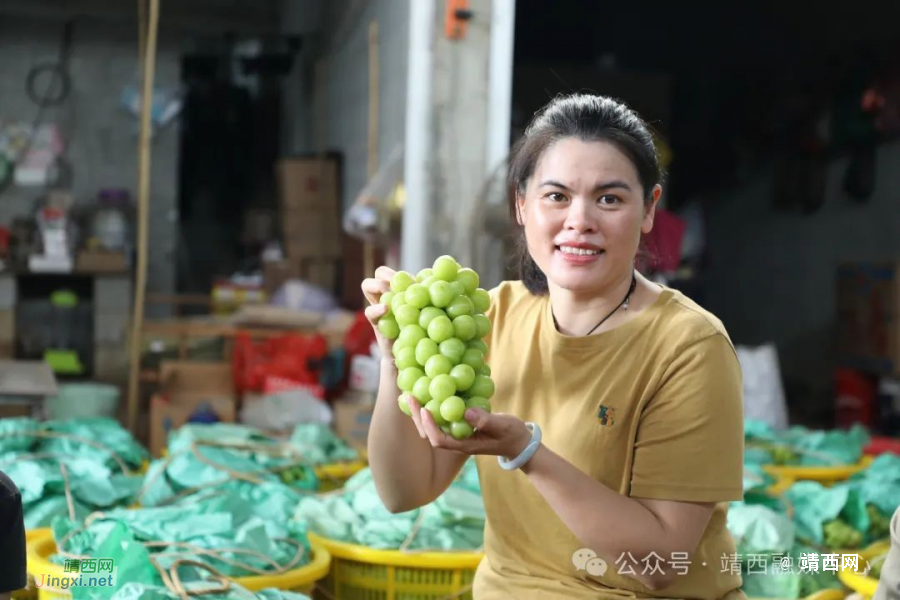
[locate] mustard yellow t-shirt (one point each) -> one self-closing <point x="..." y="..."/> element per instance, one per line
<point x="652" y="408"/>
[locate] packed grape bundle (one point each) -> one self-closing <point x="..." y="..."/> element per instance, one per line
<point x="437" y="323"/>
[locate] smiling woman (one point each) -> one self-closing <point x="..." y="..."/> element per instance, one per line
<point x="616" y="440"/>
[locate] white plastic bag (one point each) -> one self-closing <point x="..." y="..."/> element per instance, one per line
<point x="284" y="410"/>
<point x="763" y="390"/>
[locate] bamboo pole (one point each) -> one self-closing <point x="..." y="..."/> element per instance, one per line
<point x="368" y="248"/>
<point x="147" y="53"/>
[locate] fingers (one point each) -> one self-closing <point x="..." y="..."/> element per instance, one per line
<point x="479" y="419"/>
<point x="416" y="410"/>
<point x="373" y="288"/>
<point x="375" y="312"/>
<point x="434" y="433"/>
<point x="385" y="273"/>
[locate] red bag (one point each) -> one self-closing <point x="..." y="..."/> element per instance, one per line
<point x="291" y="356"/>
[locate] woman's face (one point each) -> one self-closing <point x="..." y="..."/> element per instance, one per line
<point x="583" y="212"/>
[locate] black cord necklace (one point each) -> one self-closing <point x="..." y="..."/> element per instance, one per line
<point x="623" y="304"/>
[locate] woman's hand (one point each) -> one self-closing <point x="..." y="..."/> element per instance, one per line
<point x="373" y="288"/>
<point x="495" y="434"/>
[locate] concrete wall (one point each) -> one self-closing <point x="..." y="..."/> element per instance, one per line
<point x="773" y="273"/>
<point x="339" y="71"/>
<point x="100" y="135"/>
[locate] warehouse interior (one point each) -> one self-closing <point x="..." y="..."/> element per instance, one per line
<point x="180" y="295"/>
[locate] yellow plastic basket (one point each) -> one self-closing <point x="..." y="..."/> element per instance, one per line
<point x="30" y="592"/>
<point x="824" y="475"/>
<point x="302" y="580"/>
<point x="361" y="573"/>
<point x="333" y="476"/>
<point x="857" y="580"/>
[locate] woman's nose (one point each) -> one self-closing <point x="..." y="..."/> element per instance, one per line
<point x="579" y="217"/>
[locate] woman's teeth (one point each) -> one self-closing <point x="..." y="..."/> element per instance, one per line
<point x="580" y="251"/>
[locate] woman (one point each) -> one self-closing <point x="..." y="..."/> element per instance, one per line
<point x="635" y="389"/>
<point x="889" y="584"/>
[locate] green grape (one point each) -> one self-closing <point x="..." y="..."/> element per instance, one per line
<point x="475" y="359"/>
<point x="461" y="305"/>
<point x="446" y="429"/>
<point x="840" y="535"/>
<point x="445" y="268"/>
<point x="478" y="345"/>
<point x="434" y="407"/>
<point x="397" y="301"/>
<point x="401" y="280"/>
<point x="388" y="328"/>
<point x="438" y="365"/>
<point x="441" y="293"/>
<point x="463" y="376"/>
<point x="481" y="299"/>
<point x="441" y="387"/>
<point x="879" y="524"/>
<point x="424" y="274"/>
<point x="425" y="349"/>
<point x="420" y="390"/>
<point x="458" y="288"/>
<point x="406" y="358"/>
<point x="784" y="455"/>
<point x="464" y="327"/>
<point x="386" y="299"/>
<point x="417" y="296"/>
<point x="428" y="314"/>
<point x="485" y="370"/>
<point x="461" y="430"/>
<point x="483" y="386"/>
<point x="453" y="349"/>
<point x="404" y="405"/>
<point x="407" y="378"/>
<point x="411" y="334"/>
<point x="453" y="408"/>
<point x="429" y="281"/>
<point x="398" y="346"/>
<point x="479" y="402"/>
<point x="408" y="315"/>
<point x="482" y="325"/>
<point x="469" y="279"/>
<point x="440" y="329"/>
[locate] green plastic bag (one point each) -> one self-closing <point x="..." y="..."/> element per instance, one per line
<point x="814" y="505"/>
<point x="318" y="444"/>
<point x="758" y="529"/>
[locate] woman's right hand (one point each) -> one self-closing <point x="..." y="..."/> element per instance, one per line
<point x="373" y="288"/>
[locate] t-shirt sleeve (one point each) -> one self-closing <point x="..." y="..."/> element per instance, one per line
<point x="690" y="439"/>
<point x="12" y="537"/>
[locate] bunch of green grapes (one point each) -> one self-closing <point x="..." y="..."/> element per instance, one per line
<point x="880" y="524"/>
<point x="437" y="322"/>
<point x="876" y="564"/>
<point x="839" y="535"/>
<point x="784" y="455"/>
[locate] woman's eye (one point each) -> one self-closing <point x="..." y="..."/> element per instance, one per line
<point x="608" y="200"/>
<point x="556" y="197"/>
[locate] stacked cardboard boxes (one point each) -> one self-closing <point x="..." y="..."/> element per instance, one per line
<point x="190" y="391"/>
<point x="310" y="207"/>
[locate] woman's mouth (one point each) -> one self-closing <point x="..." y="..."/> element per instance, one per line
<point x="579" y="255"/>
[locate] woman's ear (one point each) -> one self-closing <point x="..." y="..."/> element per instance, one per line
<point x="650" y="210"/>
<point x="520" y="209"/>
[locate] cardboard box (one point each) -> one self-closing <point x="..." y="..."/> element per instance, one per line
<point x="352" y="417"/>
<point x="188" y="390"/>
<point x="868" y="319"/>
<point x="306" y="183"/>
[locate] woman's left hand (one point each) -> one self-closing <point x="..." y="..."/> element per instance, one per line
<point x="495" y="434"/>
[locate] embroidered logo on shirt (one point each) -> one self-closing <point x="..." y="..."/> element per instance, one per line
<point x="607" y="416"/>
